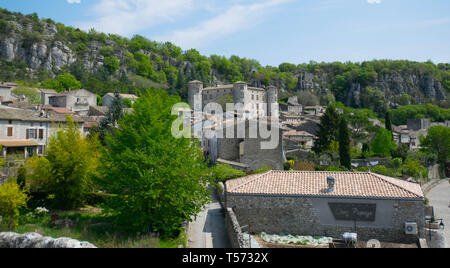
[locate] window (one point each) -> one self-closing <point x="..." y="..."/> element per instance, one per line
<point x="40" y="150"/>
<point x="10" y="131"/>
<point x="10" y="122"/>
<point x="41" y="133"/>
<point x="31" y="134"/>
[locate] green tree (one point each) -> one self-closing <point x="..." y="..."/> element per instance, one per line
<point x="12" y="199"/>
<point x="114" y="114"/>
<point x="344" y="144"/>
<point x="66" y="171"/>
<point x="438" y="142"/>
<point x="328" y="130"/>
<point x="63" y="82"/>
<point x="383" y="143"/>
<point x="22" y="177"/>
<point x="111" y="64"/>
<point x="400" y="151"/>
<point x="414" y="168"/>
<point x="158" y="180"/>
<point x="223" y="172"/>
<point x="388" y="118"/>
<point x="2" y="162"/>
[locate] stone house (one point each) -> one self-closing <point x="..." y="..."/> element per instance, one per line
<point x="46" y="94"/>
<point x="329" y="204"/>
<point x="74" y="100"/>
<point x="244" y="150"/>
<point x="293" y="106"/>
<point x="314" y="110"/>
<point x="108" y="98"/>
<point x="6" y="94"/>
<point x="26" y="132"/>
<point x="418" y="124"/>
<point x="303" y="139"/>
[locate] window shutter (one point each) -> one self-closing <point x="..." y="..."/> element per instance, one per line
<point x="28" y="134"/>
<point x="35" y="133"/>
<point x="41" y="134"/>
<point x="10" y="132"/>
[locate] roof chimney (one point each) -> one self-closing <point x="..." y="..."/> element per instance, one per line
<point x="331" y="182"/>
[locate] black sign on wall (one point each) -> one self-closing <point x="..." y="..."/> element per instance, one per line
<point x="353" y="212"/>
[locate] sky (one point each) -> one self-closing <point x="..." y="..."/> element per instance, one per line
<point x="270" y="31"/>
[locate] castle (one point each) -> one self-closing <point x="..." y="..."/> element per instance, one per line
<point x="257" y="102"/>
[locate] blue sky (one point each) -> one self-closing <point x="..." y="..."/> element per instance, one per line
<point x="270" y="31"/>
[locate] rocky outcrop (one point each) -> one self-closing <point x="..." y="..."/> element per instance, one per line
<point x="34" y="240"/>
<point x="419" y="86"/>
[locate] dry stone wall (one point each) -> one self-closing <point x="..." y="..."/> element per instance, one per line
<point x="34" y="240"/>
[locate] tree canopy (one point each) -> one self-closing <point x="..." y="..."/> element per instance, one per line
<point x="157" y="180"/>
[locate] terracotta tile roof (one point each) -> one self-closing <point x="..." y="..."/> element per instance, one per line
<point x="306" y="183"/>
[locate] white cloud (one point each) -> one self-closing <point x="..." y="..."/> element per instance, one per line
<point x="235" y="19"/>
<point x="127" y="17"/>
<point x="374" y="1"/>
<point x="74" y="1"/>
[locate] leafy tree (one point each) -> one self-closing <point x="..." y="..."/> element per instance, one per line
<point x="328" y="130"/>
<point x="114" y="114"/>
<point x="383" y="143"/>
<point x="344" y="144"/>
<point x="127" y="103"/>
<point x="99" y="100"/>
<point x="22" y="177"/>
<point x="382" y="170"/>
<point x="66" y="170"/>
<point x="388" y="118"/>
<point x="414" y="168"/>
<point x="223" y="172"/>
<point x="2" y="162"/>
<point x="158" y="180"/>
<point x="12" y="199"/>
<point x="63" y="82"/>
<point x="111" y="64"/>
<point x="400" y="151"/>
<point x="438" y="141"/>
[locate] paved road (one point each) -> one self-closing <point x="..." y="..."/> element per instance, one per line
<point x="439" y="198"/>
<point x="208" y="230"/>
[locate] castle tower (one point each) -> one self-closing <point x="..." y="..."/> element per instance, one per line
<point x="272" y="98"/>
<point x="240" y="92"/>
<point x="195" y="96"/>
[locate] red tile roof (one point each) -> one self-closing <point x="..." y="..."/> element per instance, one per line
<point x="306" y="183"/>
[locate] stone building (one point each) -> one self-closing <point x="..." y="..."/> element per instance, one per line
<point x="418" y="124"/>
<point x="245" y="150"/>
<point x="74" y="100"/>
<point x="329" y="204"/>
<point x="6" y="94"/>
<point x="107" y="100"/>
<point x="46" y="94"/>
<point x="293" y="106"/>
<point x="27" y="132"/>
<point x="253" y="99"/>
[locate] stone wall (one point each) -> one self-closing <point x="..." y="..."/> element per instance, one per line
<point x="34" y="240"/>
<point x="234" y="231"/>
<point x="312" y="216"/>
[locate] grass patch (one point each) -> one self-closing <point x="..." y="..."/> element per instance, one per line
<point x="32" y="94"/>
<point x="93" y="227"/>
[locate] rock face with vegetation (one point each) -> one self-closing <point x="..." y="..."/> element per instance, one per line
<point x="34" y="49"/>
<point x="34" y="240"/>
